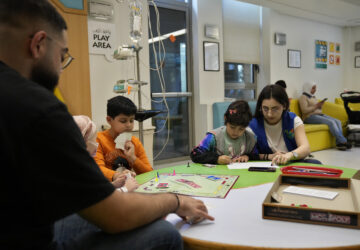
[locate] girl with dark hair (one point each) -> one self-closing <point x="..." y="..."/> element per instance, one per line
<point x="280" y="134"/>
<point x="229" y="143"/>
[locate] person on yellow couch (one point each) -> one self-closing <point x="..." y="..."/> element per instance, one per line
<point x="312" y="114"/>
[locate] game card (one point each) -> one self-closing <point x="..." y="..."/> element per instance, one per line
<point x="122" y="139"/>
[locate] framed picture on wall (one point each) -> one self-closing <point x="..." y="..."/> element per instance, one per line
<point x="211" y="56"/>
<point x="294" y="58"/>
<point x="357" y="61"/>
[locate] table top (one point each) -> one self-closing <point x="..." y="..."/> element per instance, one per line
<point x="238" y="218"/>
<point x="246" y="179"/>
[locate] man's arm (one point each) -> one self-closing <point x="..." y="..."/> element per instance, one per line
<point x="125" y="211"/>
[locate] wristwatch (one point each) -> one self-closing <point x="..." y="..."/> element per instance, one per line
<point x="295" y="155"/>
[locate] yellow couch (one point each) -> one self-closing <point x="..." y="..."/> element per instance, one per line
<point x="319" y="135"/>
<point x="352" y="106"/>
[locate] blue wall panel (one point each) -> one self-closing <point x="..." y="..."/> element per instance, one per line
<point x="73" y="4"/>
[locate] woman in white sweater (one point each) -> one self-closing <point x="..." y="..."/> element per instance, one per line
<point x="312" y="114"/>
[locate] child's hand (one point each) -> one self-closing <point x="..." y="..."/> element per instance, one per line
<point x="133" y="174"/>
<point x="130" y="151"/>
<point x="131" y="184"/>
<point x="119" y="180"/>
<point x="224" y="159"/>
<point x="242" y="158"/>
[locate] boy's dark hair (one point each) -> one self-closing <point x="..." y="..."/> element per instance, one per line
<point x="272" y="91"/>
<point x="281" y="83"/>
<point x="238" y="113"/>
<point x="120" y="105"/>
<point x="16" y="13"/>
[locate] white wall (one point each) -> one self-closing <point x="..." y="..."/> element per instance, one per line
<point x="301" y="35"/>
<point x="352" y="74"/>
<point x="241" y="22"/>
<point x="104" y="74"/>
<point x="241" y="41"/>
<point x="208" y="86"/>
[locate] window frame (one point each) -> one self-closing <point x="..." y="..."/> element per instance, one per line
<point x="240" y="85"/>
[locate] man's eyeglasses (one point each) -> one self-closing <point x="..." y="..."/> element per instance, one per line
<point x="273" y="109"/>
<point x="66" y="59"/>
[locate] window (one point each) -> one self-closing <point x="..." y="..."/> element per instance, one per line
<point x="240" y="81"/>
<point x="176" y="90"/>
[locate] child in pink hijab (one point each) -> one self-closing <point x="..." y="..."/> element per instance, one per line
<point x="125" y="182"/>
<point x="88" y="131"/>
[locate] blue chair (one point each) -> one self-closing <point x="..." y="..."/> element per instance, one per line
<point x="219" y="109"/>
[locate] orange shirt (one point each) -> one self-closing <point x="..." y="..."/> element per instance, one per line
<point x="106" y="154"/>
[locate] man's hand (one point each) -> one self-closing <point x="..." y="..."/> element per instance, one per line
<point x="130" y="152"/>
<point x="224" y="159"/>
<point x="242" y="158"/>
<point x="192" y="208"/>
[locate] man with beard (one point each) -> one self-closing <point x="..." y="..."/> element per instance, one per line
<point x="46" y="172"/>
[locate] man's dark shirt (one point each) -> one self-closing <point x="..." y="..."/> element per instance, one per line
<point x="46" y="172"/>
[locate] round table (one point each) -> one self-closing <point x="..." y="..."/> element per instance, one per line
<point x="238" y="218"/>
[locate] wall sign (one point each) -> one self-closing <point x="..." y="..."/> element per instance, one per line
<point x="294" y="58"/>
<point x="357" y="61"/>
<point x="211" y="56"/>
<point x="320" y="54"/>
<point x="101" y="38"/>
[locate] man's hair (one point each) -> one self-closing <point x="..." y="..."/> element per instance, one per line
<point x="281" y="83"/>
<point x="120" y="105"/>
<point x="272" y="91"/>
<point x="16" y="13"/>
<point x="238" y="113"/>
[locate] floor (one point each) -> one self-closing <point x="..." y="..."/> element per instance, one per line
<point x="333" y="157"/>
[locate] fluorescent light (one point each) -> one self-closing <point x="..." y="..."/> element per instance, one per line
<point x="163" y="37"/>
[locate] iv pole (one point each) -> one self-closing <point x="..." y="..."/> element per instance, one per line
<point x="137" y="50"/>
<point x="141" y="114"/>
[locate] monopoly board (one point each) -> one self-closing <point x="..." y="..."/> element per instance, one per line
<point x="213" y="186"/>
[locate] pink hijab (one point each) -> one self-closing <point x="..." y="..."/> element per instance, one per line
<point x="88" y="131"/>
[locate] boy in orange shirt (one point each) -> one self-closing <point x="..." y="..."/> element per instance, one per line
<point x="120" y="116"/>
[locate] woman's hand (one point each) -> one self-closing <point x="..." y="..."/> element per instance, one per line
<point x="224" y="160"/>
<point x="282" y="159"/>
<point x="271" y="156"/>
<point x="242" y="158"/>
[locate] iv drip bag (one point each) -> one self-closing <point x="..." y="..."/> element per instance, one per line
<point x="135" y="20"/>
